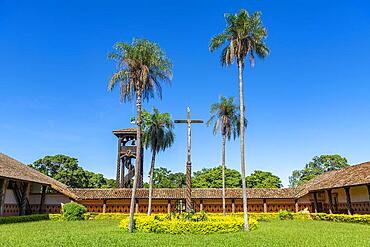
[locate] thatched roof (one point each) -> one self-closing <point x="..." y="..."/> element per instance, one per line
<point x="350" y="176"/>
<point x="96" y="194"/>
<point x="15" y="170"/>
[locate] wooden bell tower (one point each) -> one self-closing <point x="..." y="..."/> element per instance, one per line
<point x="126" y="158"/>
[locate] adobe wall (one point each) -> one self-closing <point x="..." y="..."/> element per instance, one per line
<point x="208" y="205"/>
<point x="52" y="202"/>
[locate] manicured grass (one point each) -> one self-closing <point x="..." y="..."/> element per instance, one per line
<point x="107" y="233"/>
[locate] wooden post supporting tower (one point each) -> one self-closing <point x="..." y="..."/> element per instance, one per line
<point x="126" y="154"/>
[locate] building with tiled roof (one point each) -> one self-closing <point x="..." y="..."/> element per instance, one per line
<point x="23" y="189"/>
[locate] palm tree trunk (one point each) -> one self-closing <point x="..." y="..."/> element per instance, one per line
<point x="242" y="158"/>
<point x="151" y="181"/>
<point x="223" y="174"/>
<point x="138" y="161"/>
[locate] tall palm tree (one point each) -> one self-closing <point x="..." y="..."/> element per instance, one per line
<point x="242" y="38"/>
<point x="225" y="116"/>
<point x="157" y="135"/>
<point x="141" y="68"/>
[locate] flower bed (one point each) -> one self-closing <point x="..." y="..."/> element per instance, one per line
<point x="198" y="223"/>
<point x="356" y="218"/>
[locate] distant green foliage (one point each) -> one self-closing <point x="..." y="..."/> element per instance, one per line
<point x="24" y="218"/>
<point x="212" y="178"/>
<point x="66" y="169"/>
<point x="262" y="179"/>
<point x="73" y="211"/>
<point x="317" y="166"/>
<point x="164" y="178"/>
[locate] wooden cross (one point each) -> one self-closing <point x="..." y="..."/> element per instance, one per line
<point x="189" y="121"/>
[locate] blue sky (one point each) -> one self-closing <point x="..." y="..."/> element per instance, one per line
<point x="309" y="97"/>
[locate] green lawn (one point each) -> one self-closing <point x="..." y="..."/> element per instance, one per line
<point x="107" y="233"/>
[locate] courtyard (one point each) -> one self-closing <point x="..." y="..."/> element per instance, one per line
<point x="107" y="233"/>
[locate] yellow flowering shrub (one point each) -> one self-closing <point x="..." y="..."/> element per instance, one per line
<point x="182" y="224"/>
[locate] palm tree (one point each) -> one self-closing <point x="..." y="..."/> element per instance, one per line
<point x="157" y="135"/>
<point x="244" y="35"/>
<point x="225" y="116"/>
<point x="141" y="68"/>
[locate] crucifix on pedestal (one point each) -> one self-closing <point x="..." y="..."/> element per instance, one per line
<point x="189" y="121"/>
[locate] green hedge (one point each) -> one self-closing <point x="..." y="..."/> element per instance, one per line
<point x="356" y="218"/>
<point x="25" y="218"/>
<point x="182" y="224"/>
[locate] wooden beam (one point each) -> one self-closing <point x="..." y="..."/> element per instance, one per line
<point x="3" y="187"/>
<point x="42" y="199"/>
<point x="169" y="206"/>
<point x="368" y="190"/>
<point x="137" y="206"/>
<point x="348" y="199"/>
<point x="104" y="206"/>
<point x="296" y="206"/>
<point x="201" y="205"/>
<point x="264" y="206"/>
<point x="330" y="201"/>
<point x="118" y="176"/>
<point x="315" y="202"/>
<point x="233" y="206"/>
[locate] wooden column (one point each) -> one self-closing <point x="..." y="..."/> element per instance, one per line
<point x="315" y="201"/>
<point x="104" y="206"/>
<point x="296" y="206"/>
<point x="137" y="206"/>
<point x="122" y="181"/>
<point x="368" y="190"/>
<point x="264" y="206"/>
<point x="330" y="201"/>
<point x="201" y="205"/>
<point x="42" y="199"/>
<point x="348" y="199"/>
<point x="3" y="186"/>
<point x="118" y="176"/>
<point x="24" y="195"/>
<point x="169" y="206"/>
<point x="233" y="206"/>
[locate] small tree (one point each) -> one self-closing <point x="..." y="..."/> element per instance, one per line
<point x="225" y="116"/>
<point x="157" y="135"/>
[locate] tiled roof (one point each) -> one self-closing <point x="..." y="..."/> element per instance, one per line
<point x="127" y="130"/>
<point x="349" y="176"/>
<point x="13" y="169"/>
<point x="92" y="194"/>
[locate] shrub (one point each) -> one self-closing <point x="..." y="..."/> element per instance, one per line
<point x="73" y="211"/>
<point x="356" y="218"/>
<point x="25" y="218"/>
<point x="285" y="215"/>
<point x="263" y="216"/>
<point x="197" y="224"/>
<point x="56" y="217"/>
